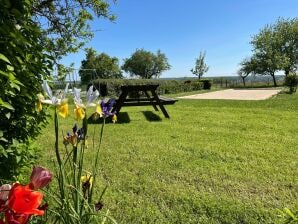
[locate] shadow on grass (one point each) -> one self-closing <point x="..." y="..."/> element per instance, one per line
<point x="150" y="116"/>
<point x="121" y="119"/>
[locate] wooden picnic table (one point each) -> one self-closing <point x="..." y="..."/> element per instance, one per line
<point x="150" y="97"/>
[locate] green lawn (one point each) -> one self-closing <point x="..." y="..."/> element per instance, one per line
<point x="213" y="161"/>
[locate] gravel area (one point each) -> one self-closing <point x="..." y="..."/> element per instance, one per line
<point x="236" y="94"/>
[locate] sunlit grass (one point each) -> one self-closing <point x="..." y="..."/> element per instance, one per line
<point x="213" y="161"/>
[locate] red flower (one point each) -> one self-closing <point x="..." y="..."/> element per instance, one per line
<point x="25" y="201"/>
<point x="40" y="177"/>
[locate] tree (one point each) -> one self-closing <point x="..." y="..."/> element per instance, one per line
<point x="200" y="67"/>
<point x="275" y="48"/>
<point x="287" y="35"/>
<point x="248" y="66"/>
<point x="291" y="81"/>
<point x="65" y="23"/>
<point x="99" y="66"/>
<point x="146" y="64"/>
<point x="267" y="56"/>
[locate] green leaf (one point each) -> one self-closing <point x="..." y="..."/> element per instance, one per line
<point x="8" y="115"/>
<point x="3" y="139"/>
<point x="3" y="152"/>
<point x="5" y="105"/>
<point x="4" y="58"/>
<point x="289" y="213"/>
<point x="18" y="158"/>
<point x="10" y="68"/>
<point x="4" y="73"/>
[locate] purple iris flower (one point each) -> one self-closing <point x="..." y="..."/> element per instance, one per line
<point x="80" y="133"/>
<point x="75" y="128"/>
<point x="107" y="107"/>
<point x="75" y="137"/>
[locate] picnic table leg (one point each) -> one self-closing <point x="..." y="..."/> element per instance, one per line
<point x="120" y="102"/>
<point x="148" y="96"/>
<point x="163" y="109"/>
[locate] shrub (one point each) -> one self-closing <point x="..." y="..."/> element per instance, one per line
<point x="291" y="81"/>
<point x="206" y="83"/>
<point x="23" y="64"/>
<point x="112" y="87"/>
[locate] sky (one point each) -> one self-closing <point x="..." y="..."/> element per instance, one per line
<point x="183" y="28"/>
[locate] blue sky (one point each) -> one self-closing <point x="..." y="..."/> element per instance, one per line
<point x="183" y="28"/>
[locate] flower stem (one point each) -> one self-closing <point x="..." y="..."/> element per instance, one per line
<point x="95" y="169"/>
<point x="60" y="174"/>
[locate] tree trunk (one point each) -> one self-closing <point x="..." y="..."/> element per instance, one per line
<point x="274" y="81"/>
<point x="243" y="80"/>
<point x="287" y="72"/>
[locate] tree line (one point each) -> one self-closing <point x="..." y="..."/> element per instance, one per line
<point x="142" y="64"/>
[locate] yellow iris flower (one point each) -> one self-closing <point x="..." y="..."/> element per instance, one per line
<point x="114" y="118"/>
<point x="87" y="178"/>
<point x="98" y="110"/>
<point x="58" y="100"/>
<point x="39" y="102"/>
<point x="79" y="113"/>
<point x="63" y="109"/>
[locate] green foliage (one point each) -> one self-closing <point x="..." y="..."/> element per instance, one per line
<point x="66" y="23"/>
<point x="34" y="34"/>
<point x="99" y="66"/>
<point x="291" y="81"/>
<point x="145" y="64"/>
<point x="275" y="48"/>
<point x="206" y="83"/>
<point x="200" y="67"/>
<point x="15" y="159"/>
<point x="248" y="66"/>
<point x="23" y="64"/>
<point x="287" y="36"/>
<point x="63" y="71"/>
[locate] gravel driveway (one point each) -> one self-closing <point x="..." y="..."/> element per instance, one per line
<point x="236" y="94"/>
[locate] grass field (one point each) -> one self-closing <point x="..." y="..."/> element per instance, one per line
<point x="213" y="161"/>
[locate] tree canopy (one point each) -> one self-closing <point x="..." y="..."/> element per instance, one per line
<point x="146" y="64"/>
<point x="200" y="67"/>
<point x="99" y="66"/>
<point x="65" y="22"/>
<point x="275" y="48"/>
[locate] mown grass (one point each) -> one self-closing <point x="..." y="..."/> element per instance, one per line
<point x="213" y="161"/>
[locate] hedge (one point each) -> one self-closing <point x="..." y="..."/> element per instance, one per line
<point x="112" y="87"/>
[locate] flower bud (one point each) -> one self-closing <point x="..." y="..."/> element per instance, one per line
<point x="4" y="192"/>
<point x="40" y="177"/>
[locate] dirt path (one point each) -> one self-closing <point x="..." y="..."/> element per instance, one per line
<point x="236" y="94"/>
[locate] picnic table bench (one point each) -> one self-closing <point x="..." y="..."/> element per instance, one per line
<point x="149" y="97"/>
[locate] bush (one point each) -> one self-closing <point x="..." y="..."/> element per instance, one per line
<point x="291" y="81"/>
<point x="23" y="64"/>
<point x="20" y="156"/>
<point x="206" y="83"/>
